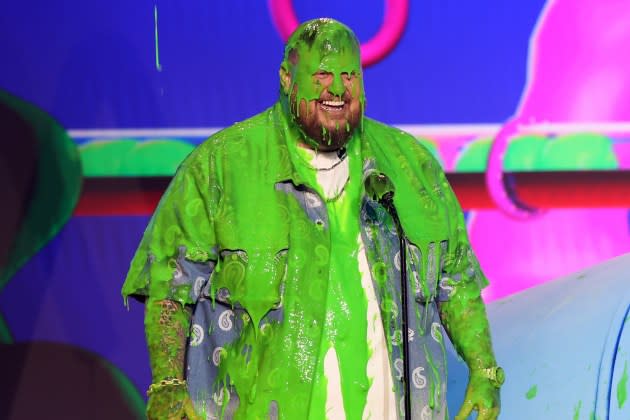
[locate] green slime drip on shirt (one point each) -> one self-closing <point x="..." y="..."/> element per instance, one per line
<point x="345" y="328"/>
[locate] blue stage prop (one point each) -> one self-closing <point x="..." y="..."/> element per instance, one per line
<point x="565" y="347"/>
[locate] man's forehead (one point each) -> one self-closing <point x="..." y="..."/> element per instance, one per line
<point x="331" y="61"/>
<point x="320" y="30"/>
<point x="324" y="41"/>
<point x="327" y="42"/>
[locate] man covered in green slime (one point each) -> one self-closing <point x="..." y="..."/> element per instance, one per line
<point x="272" y="271"/>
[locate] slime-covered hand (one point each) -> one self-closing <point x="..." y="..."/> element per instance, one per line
<point x="464" y="318"/>
<point x="171" y="403"/>
<point x="481" y="395"/>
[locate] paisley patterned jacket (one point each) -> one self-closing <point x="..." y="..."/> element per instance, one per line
<point x="241" y="237"/>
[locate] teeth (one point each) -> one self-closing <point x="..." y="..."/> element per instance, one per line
<point x="333" y="103"/>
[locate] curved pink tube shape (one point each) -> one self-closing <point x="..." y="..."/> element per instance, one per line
<point x="503" y="195"/>
<point x="578" y="71"/>
<point x="374" y="50"/>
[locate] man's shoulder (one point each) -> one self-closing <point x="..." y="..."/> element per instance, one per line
<point x="375" y="126"/>
<point x="393" y="138"/>
<point x="251" y="130"/>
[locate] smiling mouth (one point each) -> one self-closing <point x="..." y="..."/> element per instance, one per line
<point x="332" y="106"/>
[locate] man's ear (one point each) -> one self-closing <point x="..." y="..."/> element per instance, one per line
<point x="285" y="79"/>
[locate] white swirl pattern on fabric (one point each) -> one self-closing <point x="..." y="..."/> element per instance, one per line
<point x="198" y="285"/>
<point x="418" y="379"/>
<point x="397" y="261"/>
<point x="397" y="338"/>
<point x="196" y="335"/>
<point x="399" y="366"/>
<point x="225" y="320"/>
<point x="218" y="397"/>
<point x="216" y="355"/>
<point x="426" y="413"/>
<point x="436" y="331"/>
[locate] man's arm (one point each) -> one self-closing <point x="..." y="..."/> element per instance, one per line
<point x="463" y="314"/>
<point x="464" y="318"/>
<point x="181" y="231"/>
<point x="166" y="326"/>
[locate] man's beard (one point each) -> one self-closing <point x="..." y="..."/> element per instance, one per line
<point x="325" y="139"/>
<point x="320" y="137"/>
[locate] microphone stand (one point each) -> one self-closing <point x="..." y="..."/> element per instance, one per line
<point x="387" y="201"/>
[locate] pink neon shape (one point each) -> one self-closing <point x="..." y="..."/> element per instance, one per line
<point x="374" y="50"/>
<point x="500" y="193"/>
<point x="578" y="71"/>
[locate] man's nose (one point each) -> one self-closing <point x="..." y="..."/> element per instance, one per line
<point x="337" y="87"/>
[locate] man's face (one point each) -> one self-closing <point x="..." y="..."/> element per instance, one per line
<point x="326" y="95"/>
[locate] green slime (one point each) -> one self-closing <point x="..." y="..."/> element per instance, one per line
<point x="576" y="410"/>
<point x="531" y="393"/>
<point x="345" y="328"/>
<point x="223" y="206"/>
<point x="622" y="387"/>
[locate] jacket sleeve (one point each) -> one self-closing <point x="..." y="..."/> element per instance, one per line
<point x="178" y="251"/>
<point x="461" y="264"/>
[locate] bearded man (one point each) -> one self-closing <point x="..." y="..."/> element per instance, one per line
<point x="272" y="265"/>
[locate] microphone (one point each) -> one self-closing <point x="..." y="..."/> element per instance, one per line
<point x="380" y="188"/>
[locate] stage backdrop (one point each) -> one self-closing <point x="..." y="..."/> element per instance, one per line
<point x="139" y="84"/>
